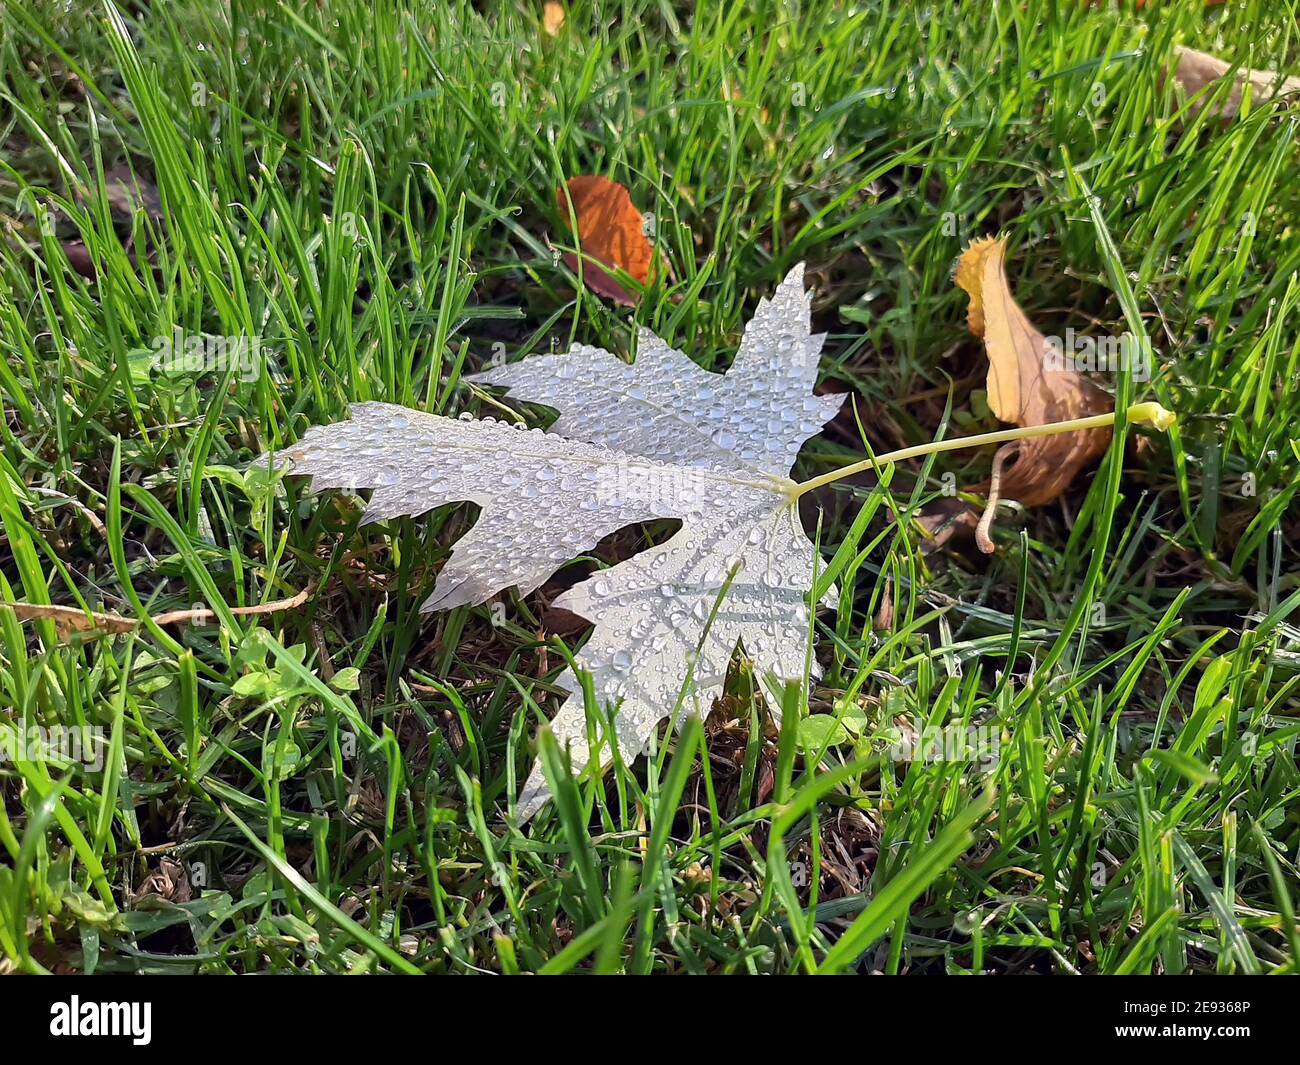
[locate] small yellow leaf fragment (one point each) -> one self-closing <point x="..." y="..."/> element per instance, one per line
<point x="552" y="18"/>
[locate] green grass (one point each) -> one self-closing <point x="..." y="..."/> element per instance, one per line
<point x="369" y="189"/>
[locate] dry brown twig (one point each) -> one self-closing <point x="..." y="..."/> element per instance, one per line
<point x="70" y="619"/>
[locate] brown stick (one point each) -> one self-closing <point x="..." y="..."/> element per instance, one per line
<point x="69" y="619"/>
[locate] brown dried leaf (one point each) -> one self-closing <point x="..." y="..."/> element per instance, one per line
<point x="610" y="232"/>
<point x="129" y="194"/>
<point x="1197" y="71"/>
<point x="1020" y="389"/>
<point x="167" y="882"/>
<point x="79" y="258"/>
<point x="1023" y="392"/>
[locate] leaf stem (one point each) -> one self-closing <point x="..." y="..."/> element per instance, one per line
<point x="1140" y="413"/>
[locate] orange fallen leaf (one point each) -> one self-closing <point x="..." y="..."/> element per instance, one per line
<point x="1197" y="71"/>
<point x="611" y="233"/>
<point x="552" y="18"/>
<point x="1024" y="391"/>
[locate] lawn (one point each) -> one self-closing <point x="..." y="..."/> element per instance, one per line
<point x="350" y="202"/>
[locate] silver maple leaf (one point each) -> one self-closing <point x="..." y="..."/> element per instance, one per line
<point x="660" y="438"/>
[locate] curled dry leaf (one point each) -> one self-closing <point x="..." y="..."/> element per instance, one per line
<point x="168" y="882"/>
<point x="1024" y="391"/>
<point x="1021" y="388"/>
<point x="1197" y="71"/>
<point x="611" y="231"/>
